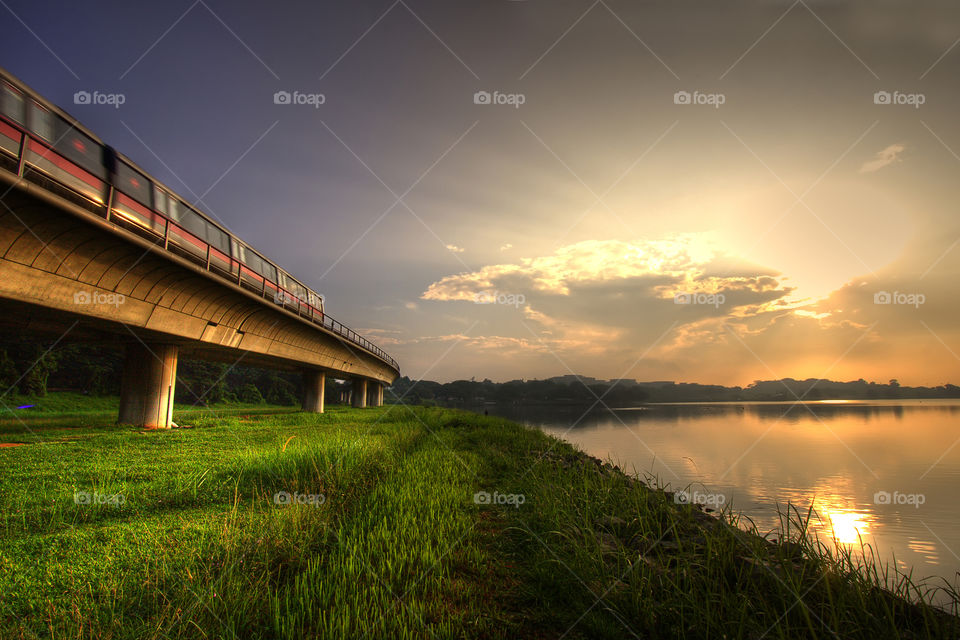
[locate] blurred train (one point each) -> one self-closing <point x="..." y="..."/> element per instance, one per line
<point x="44" y="145"/>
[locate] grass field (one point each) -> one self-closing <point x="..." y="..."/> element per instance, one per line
<point x="394" y="522"/>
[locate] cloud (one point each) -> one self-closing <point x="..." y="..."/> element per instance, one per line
<point x="455" y="249"/>
<point x="609" y="300"/>
<point x="502" y="345"/>
<point x="506" y="247"/>
<point x="882" y="158"/>
<point x="681" y="263"/>
<point x="382" y="337"/>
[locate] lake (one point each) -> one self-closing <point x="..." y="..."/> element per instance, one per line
<point x="884" y="471"/>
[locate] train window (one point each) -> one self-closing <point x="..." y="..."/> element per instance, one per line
<point x="257" y="264"/>
<point x="192" y="222"/>
<point x="218" y="238"/>
<point x="160" y="200"/>
<point x="166" y="204"/>
<point x="173" y="208"/>
<point x="252" y="260"/>
<point x="133" y="183"/>
<point x="41" y="121"/>
<point x="11" y="103"/>
<point x="269" y="271"/>
<point x="79" y="148"/>
<point x="298" y="289"/>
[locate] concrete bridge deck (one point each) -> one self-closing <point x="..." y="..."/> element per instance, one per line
<point x="62" y="272"/>
<point x="73" y="267"/>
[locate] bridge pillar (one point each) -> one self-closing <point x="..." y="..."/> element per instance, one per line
<point x="376" y="395"/>
<point x="359" y="395"/>
<point x="313" y="384"/>
<point x="146" y="390"/>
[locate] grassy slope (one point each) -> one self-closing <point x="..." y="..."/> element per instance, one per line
<point x="198" y="549"/>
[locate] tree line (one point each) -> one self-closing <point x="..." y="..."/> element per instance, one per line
<point x="628" y="392"/>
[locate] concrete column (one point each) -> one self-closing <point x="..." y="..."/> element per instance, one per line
<point x="146" y="390"/>
<point x="376" y="395"/>
<point x="313" y="386"/>
<point x="359" y="393"/>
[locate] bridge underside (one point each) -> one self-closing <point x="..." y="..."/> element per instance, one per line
<point x="65" y="274"/>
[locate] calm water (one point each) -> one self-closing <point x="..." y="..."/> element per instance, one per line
<point x="838" y="456"/>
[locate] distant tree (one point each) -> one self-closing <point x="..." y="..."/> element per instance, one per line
<point x="201" y="382"/>
<point x="39" y="364"/>
<point x="281" y="392"/>
<point x="8" y="371"/>
<point x="249" y="394"/>
<point x="90" y="368"/>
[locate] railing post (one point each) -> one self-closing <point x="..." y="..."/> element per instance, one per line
<point x="208" y="257"/>
<point x="166" y="234"/>
<point x="110" y="196"/>
<point x="21" y="161"/>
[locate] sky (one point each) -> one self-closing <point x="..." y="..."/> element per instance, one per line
<point x="711" y="192"/>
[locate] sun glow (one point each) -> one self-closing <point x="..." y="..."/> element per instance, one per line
<point x="839" y="517"/>
<point x="846" y="526"/>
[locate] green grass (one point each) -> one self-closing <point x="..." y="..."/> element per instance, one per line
<point x="198" y="548"/>
<point x="71" y="414"/>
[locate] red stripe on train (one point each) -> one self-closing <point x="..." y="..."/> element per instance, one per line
<point x="254" y="274"/>
<point x="130" y="203"/>
<point x="11" y="132"/>
<point x="62" y="163"/>
<point x="186" y="235"/>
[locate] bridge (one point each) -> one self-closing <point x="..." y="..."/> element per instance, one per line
<point x="93" y="248"/>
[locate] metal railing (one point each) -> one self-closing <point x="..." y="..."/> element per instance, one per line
<point x="235" y="276"/>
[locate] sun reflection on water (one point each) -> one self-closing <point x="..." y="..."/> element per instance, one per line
<point x="839" y="517"/>
<point x="925" y="548"/>
<point x="847" y="526"/>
